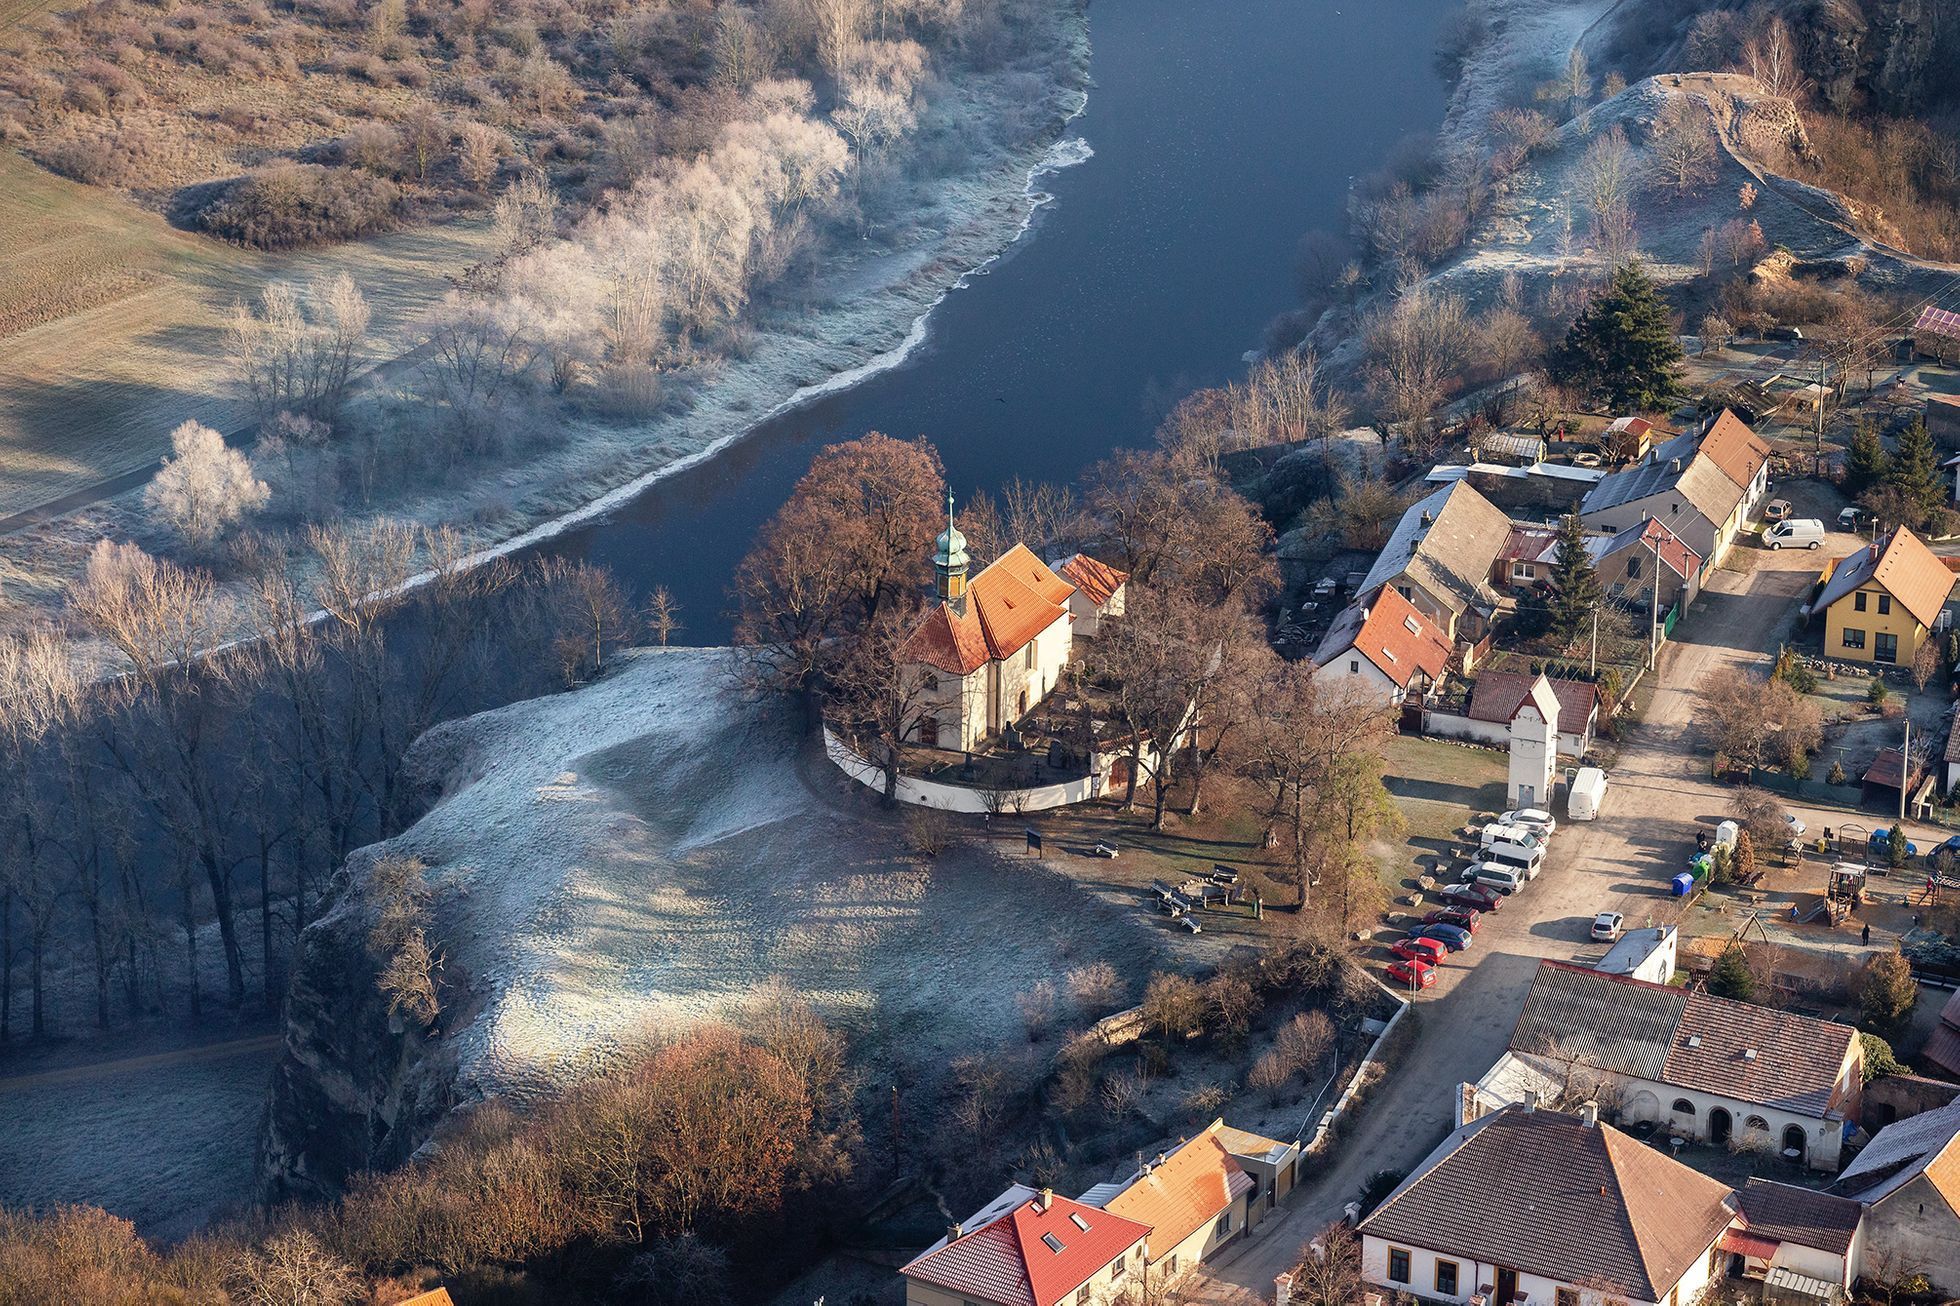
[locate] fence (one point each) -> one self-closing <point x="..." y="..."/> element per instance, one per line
<point x="960" y="798"/>
<point x="1811" y="791"/>
<point x="1354" y="1084"/>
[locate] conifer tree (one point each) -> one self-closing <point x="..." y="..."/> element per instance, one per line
<point x="1865" y="462"/>
<point x="1915" y="473"/>
<point x="1622" y="349"/>
<point x="1731" y="977"/>
<point x="1576" y="591"/>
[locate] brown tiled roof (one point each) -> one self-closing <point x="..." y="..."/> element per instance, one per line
<point x="1734" y="448"/>
<point x="1804" y="1216"/>
<point x="1391" y="633"/>
<point x="1446" y="543"/>
<point x="1187" y="1191"/>
<point x="1098" y="580"/>
<point x="1902" y="566"/>
<point x="1030" y="1257"/>
<point x="1542" y="1192"/>
<point x="1007" y="605"/>
<point x="1498" y="694"/>
<point x="1689" y="1040"/>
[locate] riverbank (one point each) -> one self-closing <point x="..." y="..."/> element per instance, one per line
<point x="864" y="312"/>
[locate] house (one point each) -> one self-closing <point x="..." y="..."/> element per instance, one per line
<point x="1644" y="954"/>
<point x="1439" y="558"/>
<point x="1704" y="1067"/>
<point x="1497" y="695"/>
<point x="1937" y="335"/>
<point x="1627" y="438"/>
<point x="1029" y="1247"/>
<point x="1100" y="591"/>
<point x="1950" y="758"/>
<point x="1908" y="1181"/>
<point x="1525" y="561"/>
<point x="1702" y="488"/>
<point x="990" y="649"/>
<point x="1385" y="645"/>
<point x="1193" y="1198"/>
<point x="1882" y="602"/>
<point x="1943" y="420"/>
<point x="1942" y="1050"/>
<point x="1799" y="1231"/>
<point x="1548" y="1209"/>
<point x="1629" y="562"/>
<point x="1533" y="738"/>
<point x="1274" y="1167"/>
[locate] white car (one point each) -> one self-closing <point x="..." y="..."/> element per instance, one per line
<point x="1606" y="926"/>
<point x="1536" y="818"/>
<point x="1793" y="826"/>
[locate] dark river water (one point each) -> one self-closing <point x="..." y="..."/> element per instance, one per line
<point x="1222" y="130"/>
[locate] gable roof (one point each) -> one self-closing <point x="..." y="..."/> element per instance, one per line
<point x="1687" y="1040"/>
<point x="1900" y="565"/>
<point x="1020" y="563"/>
<point x="1498" y="695"/>
<point x="1904" y="1150"/>
<point x="1026" y="1256"/>
<point x="1013" y="599"/>
<point x="1543" y="1192"/>
<point x="1446" y="543"/>
<point x="1245" y="1143"/>
<point x="1098" y="580"/>
<point x="1185" y="1191"/>
<point x="1786" y="1213"/>
<point x="1698" y="479"/>
<point x="1392" y="634"/>
<point x="1735" y="448"/>
<point x="433" y="1297"/>
<point x="1653" y="536"/>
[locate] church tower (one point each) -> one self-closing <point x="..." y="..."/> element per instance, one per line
<point x="949" y="562"/>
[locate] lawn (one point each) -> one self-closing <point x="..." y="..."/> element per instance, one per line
<point x="1439" y="788"/>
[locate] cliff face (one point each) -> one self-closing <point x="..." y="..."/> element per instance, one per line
<point x="355" y="1090"/>
<point x="1896" y="56"/>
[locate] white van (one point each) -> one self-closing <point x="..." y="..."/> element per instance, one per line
<point x="1499" y="832"/>
<point x="1504" y="879"/>
<point x="1796" y="533"/>
<point x="1526" y="858"/>
<point x="1588" y="790"/>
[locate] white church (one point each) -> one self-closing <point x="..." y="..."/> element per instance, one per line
<point x="990" y="649"/>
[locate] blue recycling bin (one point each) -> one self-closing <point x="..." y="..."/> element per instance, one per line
<point x="1684" y="884"/>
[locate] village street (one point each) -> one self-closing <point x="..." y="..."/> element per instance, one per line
<point x="1659" y="794"/>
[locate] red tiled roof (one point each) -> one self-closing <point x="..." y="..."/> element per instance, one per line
<point x="951" y="641"/>
<point x="1098" y="580"/>
<point x="1020" y="563"/>
<point x="1011" y="1260"/>
<point x="1748" y="1244"/>
<point x="1498" y="694"/>
<point x="1188" y="1190"/>
<point x="1007" y="605"/>
<point x="1680" y="559"/>
<point x="1393" y="635"/>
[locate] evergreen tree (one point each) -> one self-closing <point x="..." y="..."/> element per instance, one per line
<point x="1622" y="349"/>
<point x="1865" y="462"/>
<point x="1731" y="977"/>
<point x="1886" y="998"/>
<point x="1915" y="473"/>
<point x="1576" y="592"/>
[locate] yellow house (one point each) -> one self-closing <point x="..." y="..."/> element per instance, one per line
<point x="1881" y="603"/>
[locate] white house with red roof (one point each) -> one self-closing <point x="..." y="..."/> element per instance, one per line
<point x="992" y="648"/>
<point x="1029" y="1248"/>
<point x="1386" y="646"/>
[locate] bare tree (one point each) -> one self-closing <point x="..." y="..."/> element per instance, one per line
<point x="297" y="352"/>
<point x="204" y="487"/>
<point x="1770" y="56"/>
<point x="1683" y="150"/>
<point x="662" y="618"/>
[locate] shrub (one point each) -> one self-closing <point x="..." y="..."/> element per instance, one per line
<point x="1095" y="988"/>
<point x="288" y="205"/>
<point x="1880" y="1060"/>
<point x="1731" y="977"/>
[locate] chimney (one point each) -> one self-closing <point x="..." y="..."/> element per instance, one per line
<point x="1589" y="1114"/>
<point x="1044" y="1199"/>
<point x="1674" y="464"/>
<point x="954" y="1232"/>
<point x="1428" y="518"/>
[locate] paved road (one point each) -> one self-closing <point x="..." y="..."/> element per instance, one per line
<point x="1621" y="862"/>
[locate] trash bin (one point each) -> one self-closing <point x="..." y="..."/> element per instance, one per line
<point x="1684" y="884"/>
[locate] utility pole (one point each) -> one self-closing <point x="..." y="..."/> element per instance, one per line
<point x="1654" y="625"/>
<point x="1817" y="444"/>
<point x="1905" y="775"/>
<point x="1592" y="663"/>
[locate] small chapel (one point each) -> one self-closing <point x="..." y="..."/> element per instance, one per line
<point x="990" y="648"/>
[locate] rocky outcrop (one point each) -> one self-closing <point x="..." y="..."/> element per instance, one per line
<point x="1897" y="56"/>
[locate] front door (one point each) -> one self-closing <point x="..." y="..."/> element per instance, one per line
<point x="1885" y="648"/>
<point x="1720" y="1125"/>
<point x="1507" y="1286"/>
<point x="1527" y="796"/>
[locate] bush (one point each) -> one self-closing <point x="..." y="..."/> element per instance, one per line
<point x="1880" y="1060"/>
<point x="1377" y="1186"/>
<point x="293" y="204"/>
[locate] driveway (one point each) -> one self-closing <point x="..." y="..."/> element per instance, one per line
<point x="1659" y="792"/>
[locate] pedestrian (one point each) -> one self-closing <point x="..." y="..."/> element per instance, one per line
<point x="1866" y="934"/>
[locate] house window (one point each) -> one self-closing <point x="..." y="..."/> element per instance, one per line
<point x="1565" y="1297"/>
<point x="1853" y="638"/>
<point x="1683" y="1107"/>
<point x="1885" y="605"/>
<point x="1405" y="592"/>
<point x="1224" y="1225"/>
<point x="1446" y="1278"/>
<point x="1398" y="1265"/>
<point x="932" y="683"/>
<point x="1121" y="1268"/>
<point x="1354" y="666"/>
<point x="1082" y="1298"/>
<point x="1524" y="571"/>
<point x="1170" y="1268"/>
<point x="1885" y="648"/>
<point x="1858" y="601"/>
<point x="929" y="731"/>
<point x="1633" y="567"/>
<point x="1027" y="659"/>
<point x="1756" y="1122"/>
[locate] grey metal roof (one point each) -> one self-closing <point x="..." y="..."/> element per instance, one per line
<point x="1600" y="1021"/>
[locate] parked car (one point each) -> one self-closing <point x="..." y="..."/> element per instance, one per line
<point x="1532" y="818"/>
<point x="1453" y="937"/>
<point x="1778" y="510"/>
<point x="1950" y="848"/>
<point x="1794" y="826"/>
<point x="1419" y="947"/>
<point x="1412" y="974"/>
<point x="1506" y="880"/>
<point x="1464" y="917"/>
<point x="1606" y="926"/>
<point x="1853" y="519"/>
<point x="1795" y="533"/>
<point x="1880" y="844"/>
<point x="1497" y="832"/>
<point x="1474" y="897"/>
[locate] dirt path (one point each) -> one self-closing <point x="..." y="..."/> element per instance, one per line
<point x="1620" y="862"/>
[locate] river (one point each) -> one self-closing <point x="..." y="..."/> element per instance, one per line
<point x="1222" y="130"/>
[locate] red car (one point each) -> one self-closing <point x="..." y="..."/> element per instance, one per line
<point x="1412" y="974"/>
<point x="1461" y="917"/>
<point x="1430" y="950"/>
<point x="1472" y="897"/>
